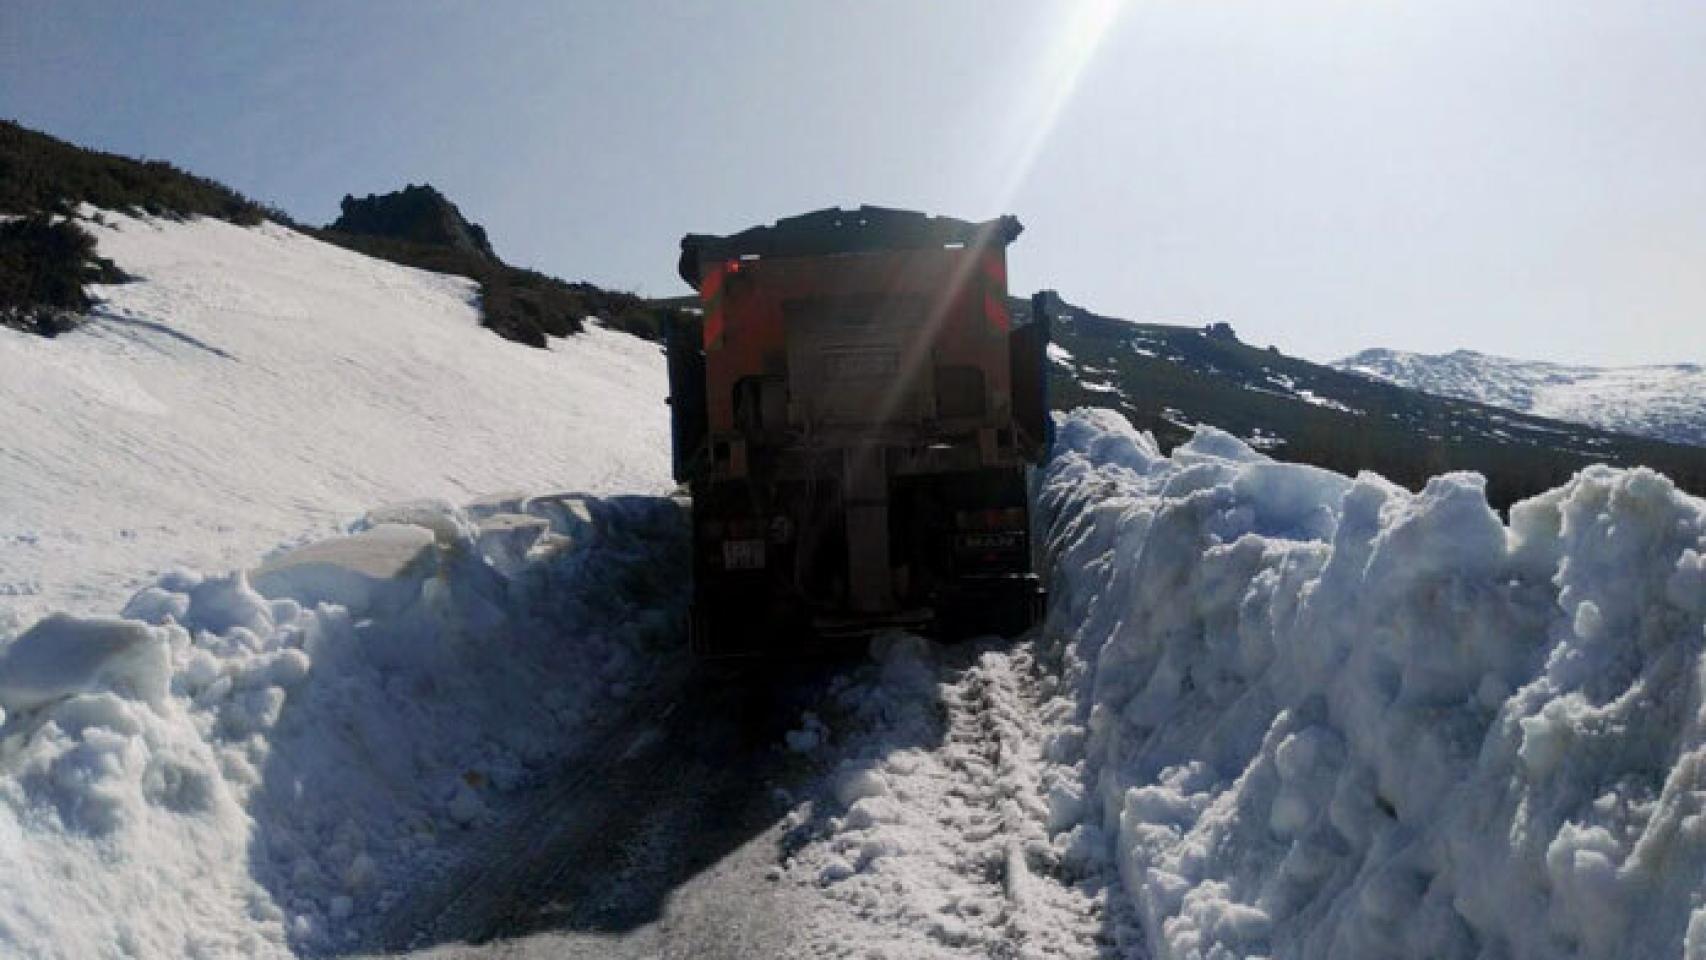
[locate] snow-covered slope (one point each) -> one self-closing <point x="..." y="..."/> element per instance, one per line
<point x="258" y="757"/>
<point x="1665" y="402"/>
<point x="257" y="386"/>
<point x="1319" y="717"/>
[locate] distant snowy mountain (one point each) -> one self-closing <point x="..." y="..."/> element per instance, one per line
<point x="1663" y="402"/>
<point x="1167" y="379"/>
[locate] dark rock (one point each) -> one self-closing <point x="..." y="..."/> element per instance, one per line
<point x="1221" y="331"/>
<point x="419" y="214"/>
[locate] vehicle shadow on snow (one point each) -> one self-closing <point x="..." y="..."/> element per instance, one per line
<point x="689" y="776"/>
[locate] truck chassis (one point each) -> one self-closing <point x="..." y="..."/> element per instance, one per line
<point x="854" y="414"/>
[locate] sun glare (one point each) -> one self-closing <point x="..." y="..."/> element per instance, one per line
<point x="1049" y="89"/>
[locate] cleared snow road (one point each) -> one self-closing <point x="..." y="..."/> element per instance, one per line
<point x="904" y="819"/>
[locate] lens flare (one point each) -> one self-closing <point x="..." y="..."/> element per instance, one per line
<point x="1070" y="50"/>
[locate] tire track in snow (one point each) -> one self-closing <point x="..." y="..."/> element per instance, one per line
<point x="945" y="850"/>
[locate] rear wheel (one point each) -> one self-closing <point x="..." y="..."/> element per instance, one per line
<point x="1007" y="608"/>
<point x="716" y="632"/>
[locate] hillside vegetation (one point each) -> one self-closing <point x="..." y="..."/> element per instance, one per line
<point x="42" y="173"/>
<point x="45" y="267"/>
<point x="46" y="260"/>
<point x="419" y="227"/>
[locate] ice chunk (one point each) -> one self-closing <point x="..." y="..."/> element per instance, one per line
<point x="376" y="570"/>
<point x="505" y="538"/>
<point x="157" y="605"/>
<point x="857" y="784"/>
<point x="1210" y="443"/>
<point x="448" y="524"/>
<point x="63" y="655"/>
<point x="221" y="604"/>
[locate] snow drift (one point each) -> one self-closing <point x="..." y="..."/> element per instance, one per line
<point x="257" y="386"/>
<point x="1325" y="717"/>
<point x="251" y="767"/>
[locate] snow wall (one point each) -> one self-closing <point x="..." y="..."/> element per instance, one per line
<point x="261" y="764"/>
<point x="1325" y="717"/>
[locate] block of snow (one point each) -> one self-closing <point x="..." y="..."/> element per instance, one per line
<point x="504" y="538"/>
<point x="157" y="605"/>
<point x="64" y="655"/>
<point x="378" y="569"/>
<point x="447" y="523"/>
<point x="568" y="512"/>
<point x="857" y="784"/>
<point x="509" y="501"/>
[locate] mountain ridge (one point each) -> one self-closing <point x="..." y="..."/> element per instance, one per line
<point x="1662" y="401"/>
<point x="45" y="181"/>
<point x="1169" y="378"/>
<point x="419" y="213"/>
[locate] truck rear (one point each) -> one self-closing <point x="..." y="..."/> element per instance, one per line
<point x="854" y="414"/>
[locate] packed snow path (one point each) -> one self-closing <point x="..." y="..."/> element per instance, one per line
<point x="933" y="837"/>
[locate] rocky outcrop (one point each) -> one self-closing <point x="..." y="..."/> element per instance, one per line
<point x="419" y="214"/>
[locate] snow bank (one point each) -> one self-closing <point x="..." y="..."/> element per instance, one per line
<point x="1323" y="717"/>
<point x="245" y="768"/>
<point x="257" y="386"/>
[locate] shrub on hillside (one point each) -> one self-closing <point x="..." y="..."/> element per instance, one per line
<point x="45" y="258"/>
<point x="521" y="305"/>
<point x="44" y="263"/>
<point x="42" y="173"/>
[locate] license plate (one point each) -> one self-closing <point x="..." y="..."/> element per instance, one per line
<point x="862" y="365"/>
<point x="743" y="554"/>
<point x="1004" y="540"/>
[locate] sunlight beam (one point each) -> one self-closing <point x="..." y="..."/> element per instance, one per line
<point x="1070" y="51"/>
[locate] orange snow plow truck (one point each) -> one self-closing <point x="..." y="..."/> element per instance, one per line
<point x="853" y="413"/>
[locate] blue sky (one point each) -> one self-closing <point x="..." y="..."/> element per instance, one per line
<point x="1526" y="178"/>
